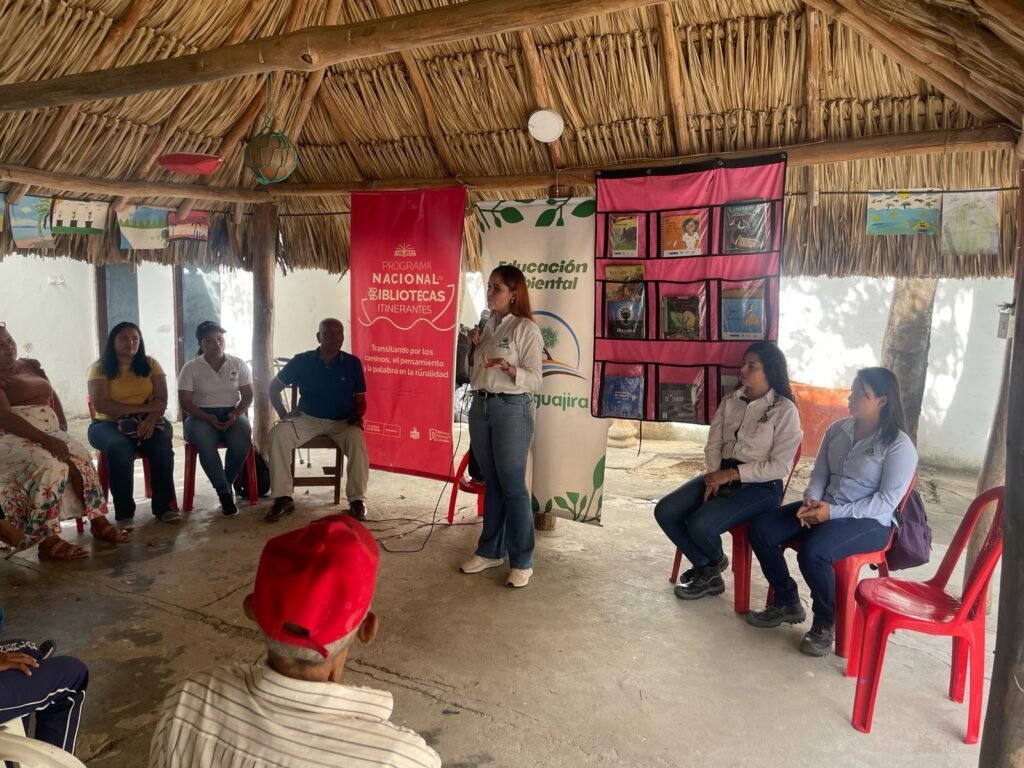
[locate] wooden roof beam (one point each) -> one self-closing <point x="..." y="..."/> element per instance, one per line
<point x="991" y="137"/>
<point x="541" y="92"/>
<point x="309" y="49"/>
<point x="673" y="78"/>
<point x="1010" y="13"/>
<point x="426" y="101"/>
<point x="58" y="127"/>
<point x="871" y="30"/>
<point x="812" y="91"/>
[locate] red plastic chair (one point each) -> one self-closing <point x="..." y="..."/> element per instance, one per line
<point x="463" y="482"/>
<point x="192" y="455"/>
<point x="888" y="604"/>
<point x="742" y="555"/>
<point x="847" y="576"/>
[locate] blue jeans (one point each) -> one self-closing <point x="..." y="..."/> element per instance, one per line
<point x="501" y="429"/>
<point x="206" y="438"/>
<point x="820" y="546"/>
<point x="696" y="526"/>
<point x="120" y="452"/>
<point x="54" y="693"/>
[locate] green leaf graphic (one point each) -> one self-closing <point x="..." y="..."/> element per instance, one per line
<point x="546" y="219"/>
<point x="562" y="503"/>
<point x="547" y="508"/>
<point x="585" y="209"/>
<point x="511" y="215"/>
<point x="534" y="504"/>
<point x="599" y="474"/>
<point x="573" y="496"/>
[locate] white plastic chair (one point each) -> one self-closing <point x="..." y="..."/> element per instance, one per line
<point x="29" y="753"/>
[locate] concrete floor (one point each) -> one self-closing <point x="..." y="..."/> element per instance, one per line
<point x="595" y="664"/>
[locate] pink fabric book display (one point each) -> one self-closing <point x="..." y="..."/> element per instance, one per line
<point x="688" y="277"/>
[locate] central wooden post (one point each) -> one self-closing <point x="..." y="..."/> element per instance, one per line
<point x="262" y="244"/>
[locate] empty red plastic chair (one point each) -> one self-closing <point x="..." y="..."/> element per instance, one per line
<point x="189" y="492"/>
<point x="742" y="555"/>
<point x="887" y="604"/>
<point x="463" y="482"/>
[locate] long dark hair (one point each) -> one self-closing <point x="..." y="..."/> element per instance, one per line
<point x="108" y="360"/>
<point x="775" y="368"/>
<point x="884" y="384"/>
<point x="516" y="282"/>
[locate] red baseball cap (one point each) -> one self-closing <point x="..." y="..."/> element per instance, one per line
<point x="319" y="578"/>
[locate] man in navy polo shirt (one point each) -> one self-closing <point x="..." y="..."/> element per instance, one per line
<point x="332" y="401"/>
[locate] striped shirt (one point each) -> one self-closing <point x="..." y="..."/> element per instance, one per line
<point x="253" y="717"/>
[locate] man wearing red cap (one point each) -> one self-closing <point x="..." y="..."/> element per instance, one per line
<point x="311" y="600"/>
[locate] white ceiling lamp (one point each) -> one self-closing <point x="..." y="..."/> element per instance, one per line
<point x="546" y="125"/>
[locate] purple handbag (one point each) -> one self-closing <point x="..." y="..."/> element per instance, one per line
<point x="913" y="542"/>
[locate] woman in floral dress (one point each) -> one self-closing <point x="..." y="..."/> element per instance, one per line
<point x="45" y="474"/>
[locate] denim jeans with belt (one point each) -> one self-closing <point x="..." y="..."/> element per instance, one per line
<point x="696" y="526"/>
<point x="820" y="546"/>
<point x="206" y="438"/>
<point x="120" y="452"/>
<point x="501" y="429"/>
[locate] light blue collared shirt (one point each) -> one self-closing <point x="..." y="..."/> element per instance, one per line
<point x="862" y="479"/>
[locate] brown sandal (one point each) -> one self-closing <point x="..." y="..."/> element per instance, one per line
<point x="61" y="550"/>
<point x="108" y="532"/>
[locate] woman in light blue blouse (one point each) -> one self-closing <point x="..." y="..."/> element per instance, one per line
<point x="863" y="469"/>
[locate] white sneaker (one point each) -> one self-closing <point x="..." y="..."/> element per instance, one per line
<point x="475" y="564"/>
<point x="518" y="577"/>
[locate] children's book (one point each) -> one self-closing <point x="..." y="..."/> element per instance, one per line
<point x="743" y="312"/>
<point x="623" y="396"/>
<point x="677" y="401"/>
<point x="680" y="317"/>
<point x="747" y="227"/>
<point x="623" y="231"/>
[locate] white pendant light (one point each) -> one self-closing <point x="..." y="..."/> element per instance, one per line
<point x="546" y="125"/>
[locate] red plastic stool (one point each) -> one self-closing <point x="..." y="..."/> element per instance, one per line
<point x="464" y="482"/>
<point x="192" y="454"/>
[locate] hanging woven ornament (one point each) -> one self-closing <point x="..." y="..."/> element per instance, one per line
<point x="270" y="156"/>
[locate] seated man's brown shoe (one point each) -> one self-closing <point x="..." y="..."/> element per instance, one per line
<point x="281" y="508"/>
<point x="357" y="509"/>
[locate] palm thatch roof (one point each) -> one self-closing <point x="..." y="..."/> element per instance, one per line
<point x="652" y="83"/>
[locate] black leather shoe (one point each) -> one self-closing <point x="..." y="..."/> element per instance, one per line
<point x="357" y="509"/>
<point x="281" y="508"/>
<point x="706" y="582"/>
<point x="774" y="615"/>
<point x="818" y="642"/>
<point x="227" y="504"/>
<point x="691" y="573"/>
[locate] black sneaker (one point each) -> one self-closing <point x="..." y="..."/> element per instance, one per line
<point x="227" y="504"/>
<point x="706" y="582"/>
<point x="281" y="508"/>
<point x="691" y="573"/>
<point x="774" y="615"/>
<point x="46" y="649"/>
<point x="818" y="642"/>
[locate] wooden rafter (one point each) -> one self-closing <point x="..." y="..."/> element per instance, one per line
<point x="992" y="137"/>
<point x="1008" y="12"/>
<point x="541" y="92"/>
<point x="673" y="76"/>
<point x="177" y="115"/>
<point x="812" y="91"/>
<point x="309" y="49"/>
<point x="419" y="86"/>
<point x="871" y="32"/>
<point x="58" y="127"/>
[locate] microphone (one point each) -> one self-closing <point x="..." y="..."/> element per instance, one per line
<point x="484" y="317"/>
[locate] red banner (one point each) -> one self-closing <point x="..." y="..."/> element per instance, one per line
<point x="405" y="258"/>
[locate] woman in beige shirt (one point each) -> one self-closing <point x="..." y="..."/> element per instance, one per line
<point x="754" y="436"/>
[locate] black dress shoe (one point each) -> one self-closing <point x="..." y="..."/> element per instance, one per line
<point x="357" y="509"/>
<point x="280" y="509"/>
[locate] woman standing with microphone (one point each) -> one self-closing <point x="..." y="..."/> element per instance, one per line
<point x="506" y="359"/>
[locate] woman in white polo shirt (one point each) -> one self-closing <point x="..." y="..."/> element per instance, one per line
<point x="754" y="436"/>
<point x="507" y="368"/>
<point x="215" y="391"/>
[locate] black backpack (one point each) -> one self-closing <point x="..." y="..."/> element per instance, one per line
<point x="262" y="479"/>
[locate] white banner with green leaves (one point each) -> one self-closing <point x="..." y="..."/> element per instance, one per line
<point x="552" y="242"/>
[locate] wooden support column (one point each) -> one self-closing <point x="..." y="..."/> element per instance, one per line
<point x="263" y="261"/>
<point x="105" y="55"/>
<point x="541" y="93"/>
<point x="673" y="77"/>
<point x="178" y="286"/>
<point x="812" y="94"/>
<point x="1002" y="742"/>
<point x="102" y="325"/>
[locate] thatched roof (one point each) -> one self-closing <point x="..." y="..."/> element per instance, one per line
<point x="747" y="76"/>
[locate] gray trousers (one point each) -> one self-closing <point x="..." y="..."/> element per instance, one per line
<point x="289" y="434"/>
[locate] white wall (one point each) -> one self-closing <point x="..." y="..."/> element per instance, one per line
<point x="301" y="300"/>
<point x="235" y="312"/>
<point x="50" y="308"/>
<point x="156" y="319"/>
<point x="830" y="328"/>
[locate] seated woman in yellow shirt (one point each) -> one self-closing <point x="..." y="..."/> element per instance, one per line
<point x="128" y="391"/>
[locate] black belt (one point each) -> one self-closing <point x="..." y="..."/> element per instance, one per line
<point x="483" y="394"/>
